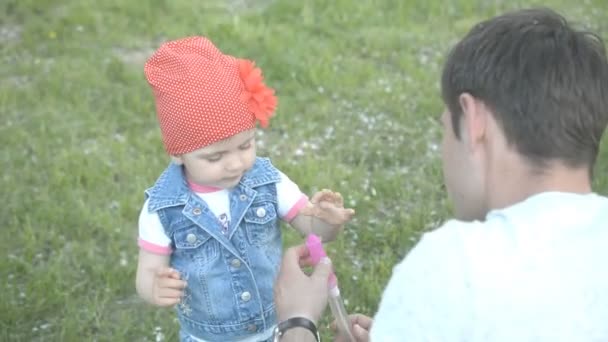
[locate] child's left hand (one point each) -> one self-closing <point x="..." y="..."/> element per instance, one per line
<point x="328" y="206"/>
<point x="324" y="216"/>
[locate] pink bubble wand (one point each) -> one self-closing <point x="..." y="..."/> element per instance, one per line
<point x="336" y="304"/>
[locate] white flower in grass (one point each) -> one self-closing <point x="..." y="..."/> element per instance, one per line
<point x="158" y="334"/>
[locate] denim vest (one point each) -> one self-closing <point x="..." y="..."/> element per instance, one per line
<point x="230" y="275"/>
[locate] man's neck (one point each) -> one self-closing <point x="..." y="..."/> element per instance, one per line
<point x="516" y="184"/>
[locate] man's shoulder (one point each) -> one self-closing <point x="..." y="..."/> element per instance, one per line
<point x="452" y="249"/>
<point x="416" y="296"/>
<point x="451" y="235"/>
<point x="550" y="206"/>
<point x="445" y="243"/>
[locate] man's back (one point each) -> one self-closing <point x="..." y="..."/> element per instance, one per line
<point x="535" y="271"/>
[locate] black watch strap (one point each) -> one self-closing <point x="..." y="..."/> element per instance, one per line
<point x="296" y="322"/>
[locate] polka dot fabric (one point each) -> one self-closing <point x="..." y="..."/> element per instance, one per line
<point x="198" y="94"/>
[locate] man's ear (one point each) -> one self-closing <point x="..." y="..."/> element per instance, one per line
<point x="473" y="123"/>
<point x="177" y="159"/>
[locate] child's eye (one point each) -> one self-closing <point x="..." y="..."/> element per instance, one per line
<point x="245" y="146"/>
<point x="214" y="158"/>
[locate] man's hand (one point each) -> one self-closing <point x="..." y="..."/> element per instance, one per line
<point x="361" y="326"/>
<point x="297" y="294"/>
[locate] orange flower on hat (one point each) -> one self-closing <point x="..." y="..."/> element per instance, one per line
<point x="259" y="97"/>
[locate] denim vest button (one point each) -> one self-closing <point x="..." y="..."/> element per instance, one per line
<point x="196" y="211"/>
<point x="191" y="238"/>
<point x="236" y="263"/>
<point x="246" y="296"/>
<point x="261" y="212"/>
<point x="252" y="328"/>
<point x="243" y="197"/>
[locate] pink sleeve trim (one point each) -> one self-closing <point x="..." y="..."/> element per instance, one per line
<point x="152" y="248"/>
<point x="293" y="212"/>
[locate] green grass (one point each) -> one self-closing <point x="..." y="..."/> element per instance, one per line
<point x="80" y="141"/>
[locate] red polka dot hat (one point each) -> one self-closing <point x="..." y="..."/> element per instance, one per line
<point x="204" y="96"/>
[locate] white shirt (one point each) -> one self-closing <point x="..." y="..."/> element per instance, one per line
<point x="535" y="271"/>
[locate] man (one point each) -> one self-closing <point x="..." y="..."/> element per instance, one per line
<point x="526" y="100"/>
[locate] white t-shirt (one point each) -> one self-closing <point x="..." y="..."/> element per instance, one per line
<point x="152" y="237"/>
<point x="535" y="271"/>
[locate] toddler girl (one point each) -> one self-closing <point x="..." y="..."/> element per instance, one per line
<point x="208" y="230"/>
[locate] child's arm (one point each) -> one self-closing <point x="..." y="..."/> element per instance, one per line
<point x="156" y="282"/>
<point x="324" y="216"/>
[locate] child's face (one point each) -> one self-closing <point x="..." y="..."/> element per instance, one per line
<point x="221" y="164"/>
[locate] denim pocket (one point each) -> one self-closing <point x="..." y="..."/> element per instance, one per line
<point x="195" y="244"/>
<point x="260" y="223"/>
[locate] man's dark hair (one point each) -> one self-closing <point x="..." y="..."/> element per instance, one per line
<point x="545" y="82"/>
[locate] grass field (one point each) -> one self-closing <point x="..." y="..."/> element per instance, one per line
<point x="358" y="89"/>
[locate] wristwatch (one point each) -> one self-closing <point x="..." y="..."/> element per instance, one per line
<point x="295" y="322"/>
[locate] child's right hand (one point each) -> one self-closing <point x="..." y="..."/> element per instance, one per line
<point x="168" y="288"/>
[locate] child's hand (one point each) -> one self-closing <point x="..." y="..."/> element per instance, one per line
<point x="328" y="206"/>
<point x="324" y="216"/>
<point x="168" y="288"/>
